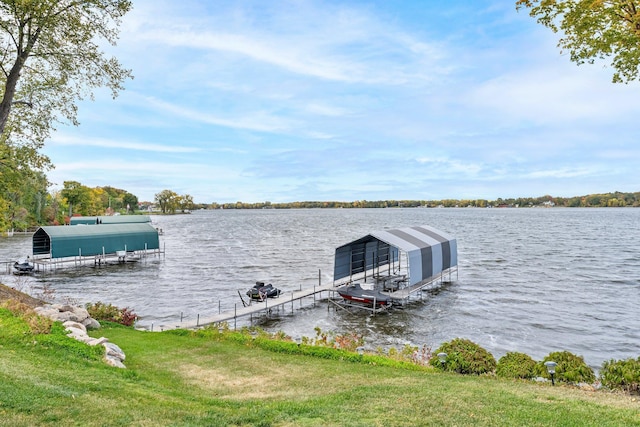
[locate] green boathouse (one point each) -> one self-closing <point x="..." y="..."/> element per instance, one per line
<point x="94" y="240"/>
<point x="108" y="219"/>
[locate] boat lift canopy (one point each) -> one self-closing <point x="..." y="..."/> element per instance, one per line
<point x="87" y="240"/>
<point x="429" y="253"/>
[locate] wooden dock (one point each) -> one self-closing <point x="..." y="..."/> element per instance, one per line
<point x="404" y="293"/>
<point x="256" y="307"/>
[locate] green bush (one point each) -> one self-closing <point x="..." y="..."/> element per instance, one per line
<point x="621" y="375"/>
<point x="516" y="365"/>
<point x="570" y="368"/>
<point x="464" y="357"/>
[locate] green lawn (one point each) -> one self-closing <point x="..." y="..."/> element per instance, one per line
<point x="222" y="380"/>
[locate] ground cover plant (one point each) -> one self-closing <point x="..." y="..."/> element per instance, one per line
<point x="222" y="378"/>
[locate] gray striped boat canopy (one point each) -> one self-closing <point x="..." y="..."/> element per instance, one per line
<point x="429" y="252"/>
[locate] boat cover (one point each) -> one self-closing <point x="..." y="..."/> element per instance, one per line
<point x="59" y="241"/>
<point x="429" y="252"/>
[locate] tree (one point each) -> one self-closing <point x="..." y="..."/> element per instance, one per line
<point x="594" y="29"/>
<point x="185" y="202"/>
<point x="51" y="58"/>
<point x="76" y="194"/>
<point x="167" y="200"/>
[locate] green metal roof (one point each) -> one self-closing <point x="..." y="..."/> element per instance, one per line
<point x="87" y="240"/>
<point x="109" y="219"/>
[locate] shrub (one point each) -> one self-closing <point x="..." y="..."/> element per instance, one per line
<point x="410" y="353"/>
<point x="516" y="365"/>
<point x="101" y="311"/>
<point x="464" y="357"/>
<point x="347" y="341"/>
<point x="570" y="368"/>
<point x="621" y="375"/>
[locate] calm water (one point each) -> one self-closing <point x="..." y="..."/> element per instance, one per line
<point x="530" y="280"/>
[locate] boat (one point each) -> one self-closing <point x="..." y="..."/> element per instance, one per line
<point x="22" y="267"/>
<point x="354" y="292"/>
<point x="260" y="291"/>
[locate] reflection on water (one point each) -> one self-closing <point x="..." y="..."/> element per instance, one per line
<point x="530" y="280"/>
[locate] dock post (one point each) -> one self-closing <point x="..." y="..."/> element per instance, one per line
<point x="219" y="310"/>
<point x="291" y="302"/>
<point x="181" y="317"/>
<point x="235" y="315"/>
<point x="198" y="320"/>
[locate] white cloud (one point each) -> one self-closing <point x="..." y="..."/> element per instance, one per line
<point x="563" y="173"/>
<point x="336" y="43"/>
<point x="258" y="121"/>
<point x="78" y="141"/>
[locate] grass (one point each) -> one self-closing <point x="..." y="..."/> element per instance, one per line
<point x="180" y="379"/>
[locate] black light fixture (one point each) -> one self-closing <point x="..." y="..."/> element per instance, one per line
<point x="360" y="350"/>
<point x="551" y="368"/>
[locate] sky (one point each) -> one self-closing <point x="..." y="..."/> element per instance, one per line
<point x="309" y="100"/>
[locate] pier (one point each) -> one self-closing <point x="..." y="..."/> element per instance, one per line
<point x="255" y="308"/>
<point x="47" y="264"/>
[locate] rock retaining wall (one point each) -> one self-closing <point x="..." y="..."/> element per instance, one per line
<point x="76" y="320"/>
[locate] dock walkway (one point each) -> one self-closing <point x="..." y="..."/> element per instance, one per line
<point x="404" y="293"/>
<point x="254" y="308"/>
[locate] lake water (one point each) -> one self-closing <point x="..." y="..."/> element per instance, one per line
<point x="529" y="280"/>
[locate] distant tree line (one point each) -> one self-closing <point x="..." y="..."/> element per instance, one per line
<point x="29" y="204"/>
<point x="616" y="199"/>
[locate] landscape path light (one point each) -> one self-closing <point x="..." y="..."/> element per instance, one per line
<point x="551" y="368"/>
<point x="443" y="359"/>
<point x="360" y="350"/>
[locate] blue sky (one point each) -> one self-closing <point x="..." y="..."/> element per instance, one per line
<point x="348" y="100"/>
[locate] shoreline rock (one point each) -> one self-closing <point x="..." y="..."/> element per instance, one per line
<point x="77" y="321"/>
